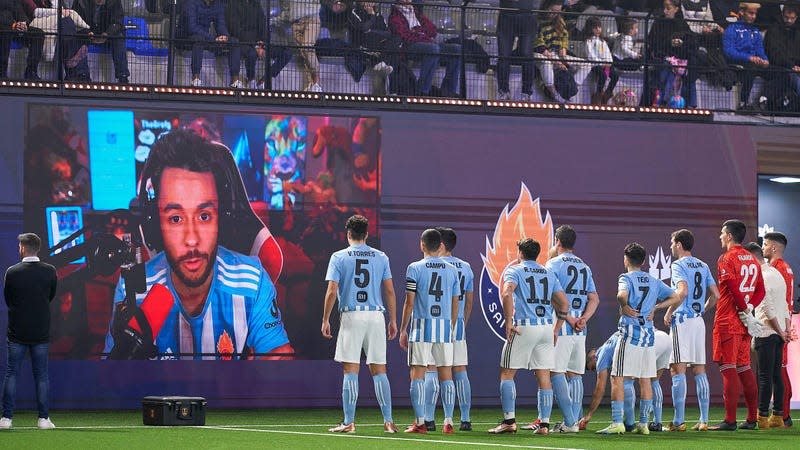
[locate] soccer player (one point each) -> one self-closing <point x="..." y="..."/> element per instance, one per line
<point x="431" y="307"/>
<point x="774" y="246"/>
<point x="356" y="276"/>
<point x="465" y="278"/>
<point x="741" y="288"/>
<point x="692" y="281"/>
<point x="576" y="278"/>
<point x="600" y="360"/>
<point x="534" y="306"/>
<point x="638" y="295"/>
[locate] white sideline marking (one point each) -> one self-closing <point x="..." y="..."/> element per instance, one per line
<point x="355" y="436"/>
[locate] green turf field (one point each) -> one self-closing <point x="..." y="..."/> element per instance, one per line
<point x="308" y="429"/>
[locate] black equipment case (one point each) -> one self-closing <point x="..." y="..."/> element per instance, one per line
<point x="174" y="410"/>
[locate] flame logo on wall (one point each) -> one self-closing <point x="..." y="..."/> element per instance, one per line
<point x="523" y="220"/>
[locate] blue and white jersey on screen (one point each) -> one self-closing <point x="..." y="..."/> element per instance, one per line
<point x="465" y="282"/>
<point x="534" y="293"/>
<point x="698" y="279"/>
<point x="644" y="291"/>
<point x="605" y="354"/>
<point x="576" y="278"/>
<point x="359" y="271"/>
<point x="435" y="282"/>
<point x="239" y="317"/>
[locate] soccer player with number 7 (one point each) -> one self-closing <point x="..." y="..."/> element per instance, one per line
<point x="741" y="288"/>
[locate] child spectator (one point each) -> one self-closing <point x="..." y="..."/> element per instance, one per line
<point x="624" y="54"/>
<point x="599" y="56"/>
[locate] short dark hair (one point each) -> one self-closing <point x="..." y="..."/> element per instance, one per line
<point x="791" y="8"/>
<point x="736" y="228"/>
<point x="755" y="249"/>
<point x="357" y="225"/>
<point x="30" y="242"/>
<point x="626" y="25"/>
<point x="529" y="248"/>
<point x="567" y="236"/>
<point x="449" y="238"/>
<point x="685" y="238"/>
<point x="776" y="236"/>
<point x="635" y="253"/>
<point x="431" y="239"/>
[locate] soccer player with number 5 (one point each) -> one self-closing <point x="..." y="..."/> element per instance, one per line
<point x="741" y="288"/>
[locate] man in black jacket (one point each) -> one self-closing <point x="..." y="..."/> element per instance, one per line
<point x="14" y="26"/>
<point x="105" y="20"/>
<point x="782" y="45"/>
<point x="247" y="22"/>
<point x="29" y="287"/>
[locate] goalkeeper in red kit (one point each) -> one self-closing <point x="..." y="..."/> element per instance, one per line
<point x="741" y="288"/>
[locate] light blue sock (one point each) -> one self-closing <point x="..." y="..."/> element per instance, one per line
<point x="561" y="392"/>
<point x="431" y="394"/>
<point x="658" y="400"/>
<point x="545" y="404"/>
<point x="678" y="398"/>
<point x="448" y="398"/>
<point x="645" y="408"/>
<point x="630" y="402"/>
<point x="383" y="392"/>
<point x="576" y="394"/>
<point x="616" y="411"/>
<point x="508" y="398"/>
<point x="418" y="398"/>
<point x="464" y="391"/>
<point x="703" y="395"/>
<point x="349" y="397"/>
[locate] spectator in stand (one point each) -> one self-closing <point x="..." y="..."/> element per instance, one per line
<point x="725" y="12"/>
<point x="333" y="15"/>
<point x="418" y="34"/>
<point x="599" y="56"/>
<point x="105" y="18"/>
<point x="73" y="50"/>
<point x="247" y="23"/>
<point x="550" y="50"/>
<point x="303" y="15"/>
<point x="782" y="45"/>
<point x="14" y="27"/>
<point x="194" y="32"/>
<point x="669" y="45"/>
<point x="743" y="45"/>
<point x="625" y="55"/>
<point x="369" y="31"/>
<point x="515" y="20"/>
<point x="697" y="14"/>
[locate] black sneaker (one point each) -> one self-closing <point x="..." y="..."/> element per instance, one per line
<point x="430" y="426"/>
<point x="629" y="428"/>
<point x="655" y="426"/>
<point x="747" y="425"/>
<point x="123" y="80"/>
<point x="787" y="422"/>
<point x="723" y="426"/>
<point x="465" y="426"/>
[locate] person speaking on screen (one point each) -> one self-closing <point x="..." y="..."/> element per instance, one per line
<point x="213" y="302"/>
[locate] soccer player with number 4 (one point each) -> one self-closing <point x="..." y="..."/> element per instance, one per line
<point x="357" y="276"/>
<point x="741" y="288"/>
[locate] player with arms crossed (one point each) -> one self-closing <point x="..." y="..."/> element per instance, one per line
<point x="356" y="276"/>
<point x="692" y="281"/>
<point x="741" y="288"/>
<point x="431" y="308"/>
<point x="638" y="295"/>
<point x="534" y="307"/>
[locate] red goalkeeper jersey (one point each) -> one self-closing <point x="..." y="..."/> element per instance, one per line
<point x="740" y="283"/>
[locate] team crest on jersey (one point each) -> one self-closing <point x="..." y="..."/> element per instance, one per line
<point x="523" y="220"/>
<point x="660" y="265"/>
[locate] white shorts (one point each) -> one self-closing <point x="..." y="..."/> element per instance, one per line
<point x="531" y="349"/>
<point x="633" y="361"/>
<point x="361" y="330"/>
<point x="688" y="341"/>
<point x="460" y="353"/>
<point x="570" y="355"/>
<point x="439" y="354"/>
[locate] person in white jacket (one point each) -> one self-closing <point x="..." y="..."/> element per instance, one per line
<point x="599" y="56"/>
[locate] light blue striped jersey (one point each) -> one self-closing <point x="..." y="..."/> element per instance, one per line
<point x="576" y="278"/>
<point x="533" y="295"/>
<point x="359" y="271"/>
<point x="434" y="282"/>
<point x="644" y="291"/>
<point x="698" y="279"/>
<point x="465" y="282"/>
<point x="239" y="317"/>
<point x="605" y="354"/>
